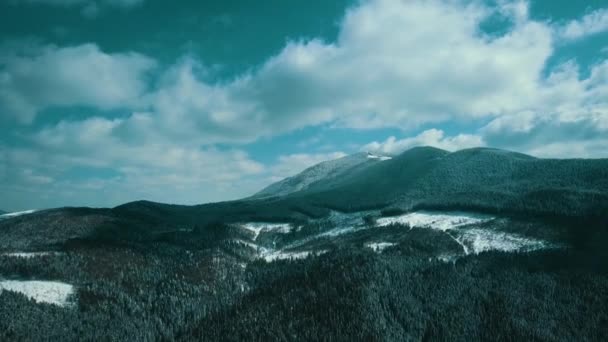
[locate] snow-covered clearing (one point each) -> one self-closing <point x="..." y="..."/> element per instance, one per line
<point x="281" y="255"/>
<point x="41" y="291"/>
<point x="339" y="231"/>
<point x="271" y="254"/>
<point x="258" y="227"/>
<point x="434" y="220"/>
<point x="28" y="255"/>
<point x="481" y="240"/>
<point x="379" y="246"/>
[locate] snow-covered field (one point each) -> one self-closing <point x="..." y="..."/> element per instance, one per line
<point x="17" y="213"/>
<point x="434" y="220"/>
<point x="258" y="227"/>
<point x="475" y="241"/>
<point x="41" y="291"/>
<point x="281" y="255"/>
<point x="472" y="240"/>
<point x="339" y="231"/>
<point x="28" y="255"/>
<point x="379" y="246"/>
<point x="271" y="254"/>
<point x="462" y="227"/>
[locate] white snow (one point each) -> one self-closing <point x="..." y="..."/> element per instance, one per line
<point x="472" y="240"/>
<point x="246" y="243"/>
<point x="375" y="156"/>
<point x="28" y="255"/>
<point x="434" y="220"/>
<point x="17" y="213"/>
<point x="280" y="255"/>
<point x="41" y="291"/>
<point x="459" y="226"/>
<point x="339" y="231"/>
<point x="259" y="227"/>
<point x="379" y="246"/>
<point x="481" y="240"/>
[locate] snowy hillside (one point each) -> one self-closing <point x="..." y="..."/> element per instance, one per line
<point x="50" y="292"/>
<point x="325" y="171"/>
<point x="17" y="213"/>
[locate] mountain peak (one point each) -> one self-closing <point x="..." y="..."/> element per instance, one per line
<point x="327" y="171"/>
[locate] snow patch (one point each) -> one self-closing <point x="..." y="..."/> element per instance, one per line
<point x="50" y="292"/>
<point x="17" y="213"/>
<point x="379" y="246"/>
<point x="378" y="157"/>
<point x="28" y="255"/>
<point x="258" y="227"/>
<point x="440" y="221"/>
<point x="281" y="255"/>
<point x="338" y="231"/>
<point x="480" y="240"/>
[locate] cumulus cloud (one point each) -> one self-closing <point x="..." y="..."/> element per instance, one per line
<point x="592" y="23"/>
<point x="432" y="137"/>
<point x="48" y="76"/>
<point x="574" y="117"/>
<point x="373" y="77"/>
<point x="369" y="77"/>
<point x="191" y="173"/>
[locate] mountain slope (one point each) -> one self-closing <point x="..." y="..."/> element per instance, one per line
<point x="325" y="172"/>
<point x="485" y="179"/>
<point x="481" y="180"/>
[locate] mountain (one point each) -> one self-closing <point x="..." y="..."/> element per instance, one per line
<point x="482" y="179"/>
<point x="325" y="172"/>
<point x="426" y="245"/>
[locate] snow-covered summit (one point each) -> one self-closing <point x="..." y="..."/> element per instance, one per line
<point x="324" y="171"/>
<point x="377" y="156"/>
<point x="17" y="213"/>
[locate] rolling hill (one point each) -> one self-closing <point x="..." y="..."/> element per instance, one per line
<point x="426" y="245"/>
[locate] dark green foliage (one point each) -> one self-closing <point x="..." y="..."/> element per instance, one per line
<point x="183" y="287"/>
<point x="349" y="295"/>
<point x="154" y="272"/>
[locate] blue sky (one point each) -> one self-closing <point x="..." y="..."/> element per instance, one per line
<point x="108" y="101"/>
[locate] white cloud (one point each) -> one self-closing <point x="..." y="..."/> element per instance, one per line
<point x="572" y="116"/>
<point x="161" y="171"/>
<point x="431" y="137"/>
<point x="370" y="77"/>
<point x="48" y="76"/>
<point x="592" y="23"/>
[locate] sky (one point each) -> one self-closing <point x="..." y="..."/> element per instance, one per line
<point x="103" y="102"/>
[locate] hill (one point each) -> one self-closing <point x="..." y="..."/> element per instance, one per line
<point x="325" y="173"/>
<point x="429" y="245"/>
<point x="482" y="179"/>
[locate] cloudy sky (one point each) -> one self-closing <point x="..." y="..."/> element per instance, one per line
<point x="108" y="101"/>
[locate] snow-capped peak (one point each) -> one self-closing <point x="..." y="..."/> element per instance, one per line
<point x="376" y="156"/>
<point x="17" y="213"/>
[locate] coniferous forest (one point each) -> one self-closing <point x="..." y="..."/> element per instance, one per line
<point x="179" y="288"/>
